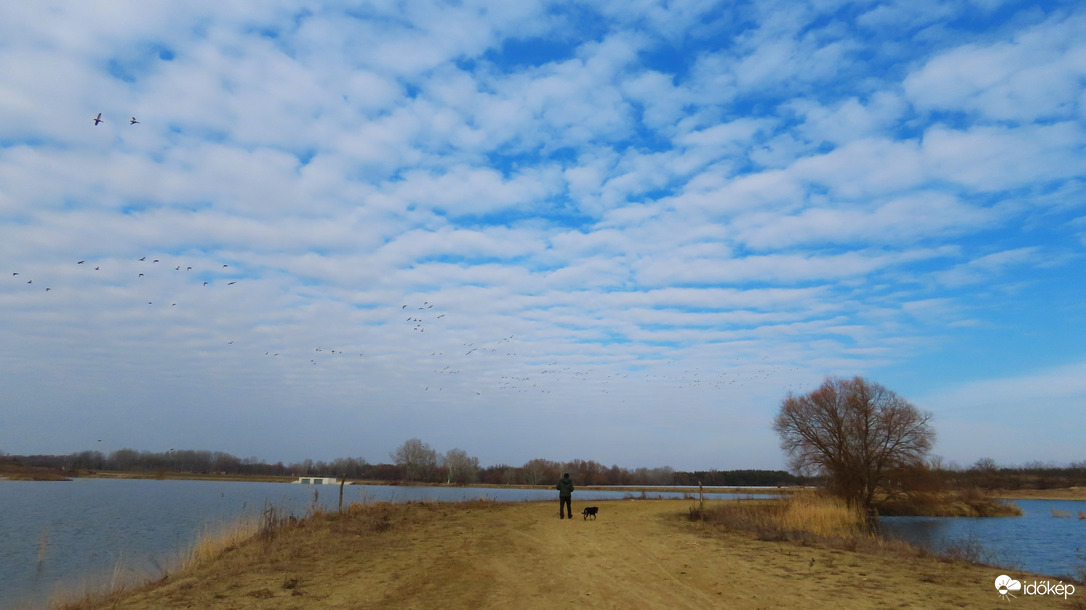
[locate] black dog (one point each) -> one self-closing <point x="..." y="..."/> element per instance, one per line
<point x="590" y="510"/>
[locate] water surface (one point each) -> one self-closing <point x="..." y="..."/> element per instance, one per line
<point x="1034" y="542"/>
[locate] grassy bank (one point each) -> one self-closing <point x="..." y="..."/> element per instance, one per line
<point x="956" y="503"/>
<point x="638" y="554"/>
<point x="1062" y="493"/>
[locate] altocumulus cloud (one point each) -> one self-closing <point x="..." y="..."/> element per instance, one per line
<point x="620" y="232"/>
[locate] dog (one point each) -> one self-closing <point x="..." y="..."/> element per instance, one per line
<point x="590" y="510"/>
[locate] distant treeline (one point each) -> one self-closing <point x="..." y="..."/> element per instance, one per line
<point x="986" y="474"/>
<point x="443" y="470"/>
<point x="456" y="467"/>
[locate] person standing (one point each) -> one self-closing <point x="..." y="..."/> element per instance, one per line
<point x="565" y="496"/>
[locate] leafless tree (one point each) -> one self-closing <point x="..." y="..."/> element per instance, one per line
<point x="460" y="467"/>
<point x="418" y="460"/>
<point x="854" y="433"/>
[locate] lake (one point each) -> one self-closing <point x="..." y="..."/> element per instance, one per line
<point x="66" y="537"/>
<point x="1034" y="542"/>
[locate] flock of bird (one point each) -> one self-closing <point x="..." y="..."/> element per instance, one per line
<point x="140" y="274"/>
<point x="98" y="119"/>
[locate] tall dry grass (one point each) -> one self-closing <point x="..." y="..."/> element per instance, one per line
<point x="800" y="516"/>
<point x="823" y="516"/>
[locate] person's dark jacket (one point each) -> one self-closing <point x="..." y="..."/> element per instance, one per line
<point x="565" y="487"/>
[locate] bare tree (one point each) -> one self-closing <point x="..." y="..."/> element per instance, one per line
<point x="854" y="433"/>
<point x="460" y="467"/>
<point x="418" y="460"/>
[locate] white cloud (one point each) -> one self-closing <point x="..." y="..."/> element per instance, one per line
<point x="784" y="268"/>
<point x="986" y="268"/>
<point x="463" y="190"/>
<point x="991" y="159"/>
<point x="1035" y="75"/>
<point x="851" y="119"/>
<point x="911" y="218"/>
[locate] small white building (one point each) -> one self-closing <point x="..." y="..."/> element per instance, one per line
<point x="318" y="481"/>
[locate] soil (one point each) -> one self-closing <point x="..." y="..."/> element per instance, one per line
<point x="636" y="554"/>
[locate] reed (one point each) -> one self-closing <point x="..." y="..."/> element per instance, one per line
<point x="800" y="516"/>
<point x="822" y="516"/>
<point x="43" y="545"/>
<point x="1060" y="514"/>
<point x="213" y="542"/>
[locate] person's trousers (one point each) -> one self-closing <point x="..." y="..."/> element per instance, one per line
<point x="567" y="504"/>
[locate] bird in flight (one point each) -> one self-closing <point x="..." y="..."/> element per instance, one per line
<point x="81" y="262"/>
<point x="98" y="119"/>
<point x="133" y="121"/>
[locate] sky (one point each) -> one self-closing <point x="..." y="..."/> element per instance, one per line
<point x="610" y="231"/>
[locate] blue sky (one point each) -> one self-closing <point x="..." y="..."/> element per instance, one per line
<point x="620" y="232"/>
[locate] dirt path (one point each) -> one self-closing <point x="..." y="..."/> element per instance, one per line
<point x="637" y="554"/>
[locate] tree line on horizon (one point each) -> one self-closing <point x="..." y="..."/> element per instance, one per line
<point x="985" y="473"/>
<point x="416" y="462"/>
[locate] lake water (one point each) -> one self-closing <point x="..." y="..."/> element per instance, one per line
<point x="66" y="537"/>
<point x="1034" y="542"/>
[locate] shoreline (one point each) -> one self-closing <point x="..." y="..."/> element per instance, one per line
<point x="484" y="554"/>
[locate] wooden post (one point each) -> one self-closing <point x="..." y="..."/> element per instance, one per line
<point x="342" y="482"/>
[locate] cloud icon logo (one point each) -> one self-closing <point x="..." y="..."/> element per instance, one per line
<point x="1005" y="584"/>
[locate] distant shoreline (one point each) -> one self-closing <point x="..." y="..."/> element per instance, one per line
<point x="18" y="472"/>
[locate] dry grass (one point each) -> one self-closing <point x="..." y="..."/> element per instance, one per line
<point x="800" y="516"/>
<point x="825" y="517"/>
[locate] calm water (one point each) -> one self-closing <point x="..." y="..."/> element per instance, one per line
<point x="1035" y="542"/>
<point x="68" y="536"/>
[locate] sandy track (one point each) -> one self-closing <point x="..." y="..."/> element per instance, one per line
<point x="637" y="554"/>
